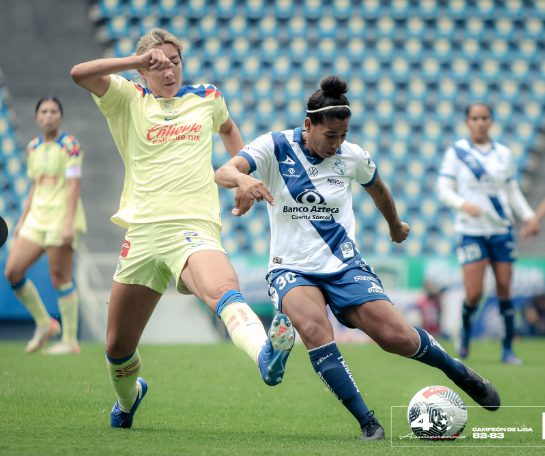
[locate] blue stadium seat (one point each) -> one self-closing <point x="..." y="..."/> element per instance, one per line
<point x="386" y="27"/>
<point x="371" y="69"/>
<point x="444" y="112"/>
<point x="252" y="68"/>
<point x="238" y="27"/>
<point x="139" y="8"/>
<point x="514" y="8"/>
<point x="539" y="9"/>
<point x="192" y="68"/>
<point x="415" y="27"/>
<point x="240" y="49"/>
<point x="533" y="28"/>
<point x="342" y="67"/>
<point x="427" y="8"/>
<point x="263" y="88"/>
<point x="386" y="169"/>
<point x="414" y="113"/>
<point x="384" y="112"/>
<point x="197" y="8"/>
<point x="413" y="49"/>
<point x="295" y="113"/>
<point x="444" y="27"/>
<point x="255" y="9"/>
<point x="8" y="146"/>
<point x="519" y="70"/>
<point x="474" y="28"/>
<point x="270" y="49"/>
<point x="416" y="90"/>
<point x="471" y="49"/>
<point x="212" y="48"/>
<point x="148" y="23"/>
<point x="386" y="89"/>
<point x="384" y="49"/>
<point x="298" y="49"/>
<point x="427" y="152"/>
<point x="327" y="50"/>
<point x="109" y="8"/>
<point x="538" y="90"/>
<point x="264" y="111"/>
<point x="267" y="27"/>
<point x="430" y="70"/>
<point x="485" y="9"/>
<point x="533" y="113"/>
<point x="226" y="8"/>
<point x="399" y="9"/>
<point x="499" y="49"/>
<point x="457" y="9"/>
<point x="297" y="27"/>
<point x="231" y="89"/>
<point x="448" y="90"/>
<point x="525" y="133"/>
<point x="460" y="70"/>
<point x="478" y="89"/>
<point x="370" y="9"/>
<point x="327" y="27"/>
<point x="168" y="8"/>
<point x="490" y="70"/>
<point x="413" y="246"/>
<point x="283" y="9"/>
<point x="313" y="9"/>
<point x="208" y="26"/>
<point x="357" y="88"/>
<point x="356" y="27"/>
<point x="402" y="132"/>
<point x="342" y="9"/>
<point x="282" y="69"/>
<point x="312" y="69"/>
<point x="429" y="210"/>
<point x="504" y="28"/>
<point x="355" y="49"/>
<point x="371" y="130"/>
<point x="293" y="88"/>
<point x="178" y="25"/>
<point x="221" y="68"/>
<point x="503" y="112"/>
<point x="123" y="47"/>
<point x="400" y="70"/>
<point x="117" y="28"/>
<point x="442" y="49"/>
<point x="248" y="130"/>
<point x="358" y="112"/>
<point x="528" y="50"/>
<point x="432" y="131"/>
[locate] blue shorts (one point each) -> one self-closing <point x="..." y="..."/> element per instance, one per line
<point x="352" y="286"/>
<point x="497" y="247"/>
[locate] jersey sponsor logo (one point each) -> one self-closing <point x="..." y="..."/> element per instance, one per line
<point x="313" y="171"/>
<point x="119" y="266"/>
<point x="167" y="104"/>
<point x="287" y="161"/>
<point x="162" y="133"/>
<point x="310" y="197"/>
<point x="375" y="289"/>
<point x="335" y="182"/>
<point x="339" y="167"/>
<point x="366" y="278"/>
<point x="125" y="249"/>
<point x="329" y="210"/>
<point x="277" y="260"/>
<point x="347" y="249"/>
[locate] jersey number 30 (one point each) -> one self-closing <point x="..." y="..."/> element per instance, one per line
<point x="281" y="281"/>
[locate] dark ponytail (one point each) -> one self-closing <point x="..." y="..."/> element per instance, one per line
<point x="331" y="93"/>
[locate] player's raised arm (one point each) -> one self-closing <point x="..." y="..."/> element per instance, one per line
<point x="94" y="75"/>
<point x="234" y="174"/>
<point x="385" y="204"/>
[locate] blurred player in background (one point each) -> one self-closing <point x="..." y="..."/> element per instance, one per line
<point x="526" y="232"/>
<point x="314" y="261"/>
<point x="478" y="179"/>
<point x="170" y="206"/>
<point x="52" y="221"/>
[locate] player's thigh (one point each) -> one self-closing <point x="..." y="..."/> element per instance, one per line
<point x="22" y="255"/>
<point x="473" y="279"/>
<point x="129" y="310"/>
<point x="503" y="272"/>
<point x="381" y="321"/>
<point x="307" y="310"/>
<point x="61" y="262"/>
<point x="209" y="274"/>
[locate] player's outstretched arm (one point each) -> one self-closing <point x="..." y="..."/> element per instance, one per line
<point x="234" y="174"/>
<point x="385" y="204"/>
<point x="94" y="75"/>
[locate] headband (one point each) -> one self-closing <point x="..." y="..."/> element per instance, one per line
<point x="327" y="107"/>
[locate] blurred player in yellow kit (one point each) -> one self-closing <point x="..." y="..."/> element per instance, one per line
<point x="52" y="221"/>
<point x="170" y="207"/>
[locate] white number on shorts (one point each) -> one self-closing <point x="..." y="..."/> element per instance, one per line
<point x="469" y="252"/>
<point x="281" y="281"/>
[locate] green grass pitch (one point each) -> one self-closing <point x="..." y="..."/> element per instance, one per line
<point x="208" y="400"/>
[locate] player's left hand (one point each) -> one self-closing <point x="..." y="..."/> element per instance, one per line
<point x="399" y="232"/>
<point x="243" y="203"/>
<point x="68" y="234"/>
<point x="529" y="229"/>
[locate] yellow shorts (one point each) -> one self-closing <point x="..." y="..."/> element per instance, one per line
<point x="153" y="253"/>
<point x="47" y="238"/>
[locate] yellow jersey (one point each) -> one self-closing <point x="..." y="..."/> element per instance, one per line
<point x="50" y="165"/>
<point x="166" y="145"/>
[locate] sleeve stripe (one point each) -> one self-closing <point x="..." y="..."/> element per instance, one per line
<point x="447" y="175"/>
<point x="372" y="181"/>
<point x="251" y="161"/>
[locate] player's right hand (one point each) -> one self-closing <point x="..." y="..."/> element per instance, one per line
<point x="254" y="188"/>
<point x="155" y="60"/>
<point x="472" y="209"/>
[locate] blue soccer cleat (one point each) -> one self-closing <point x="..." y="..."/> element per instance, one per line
<point x="121" y="419"/>
<point x="275" y="352"/>
<point x="509" y="357"/>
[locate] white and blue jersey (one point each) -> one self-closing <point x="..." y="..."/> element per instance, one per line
<point x="481" y="178"/>
<point x="312" y="221"/>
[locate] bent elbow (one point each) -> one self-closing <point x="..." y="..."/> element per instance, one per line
<point x="75" y="73"/>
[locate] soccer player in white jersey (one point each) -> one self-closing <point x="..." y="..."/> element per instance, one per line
<point x="170" y="206"/>
<point x="314" y="262"/>
<point x="478" y="179"/>
<point x="52" y="221"/>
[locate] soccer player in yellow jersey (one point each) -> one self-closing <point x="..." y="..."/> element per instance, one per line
<point x="52" y="221"/>
<point x="170" y="207"/>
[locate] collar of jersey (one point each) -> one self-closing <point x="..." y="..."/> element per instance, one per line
<point x="298" y="138"/>
<point x="474" y="148"/>
<point x="58" y="140"/>
<point x="200" y="91"/>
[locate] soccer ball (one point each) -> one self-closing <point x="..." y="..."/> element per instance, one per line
<point x="438" y="413"/>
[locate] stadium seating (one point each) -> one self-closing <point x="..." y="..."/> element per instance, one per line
<point x="412" y="67"/>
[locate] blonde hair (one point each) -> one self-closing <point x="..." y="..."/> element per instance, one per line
<point x="156" y="37"/>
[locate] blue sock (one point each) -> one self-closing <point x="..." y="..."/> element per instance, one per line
<point x="508" y="312"/>
<point x="332" y="369"/>
<point x="432" y="354"/>
<point x="467" y="311"/>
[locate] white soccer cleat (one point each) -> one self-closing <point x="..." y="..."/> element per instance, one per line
<point x="42" y="334"/>
<point x="63" y="348"/>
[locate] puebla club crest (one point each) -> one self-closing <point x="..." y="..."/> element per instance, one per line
<point x="339" y="167"/>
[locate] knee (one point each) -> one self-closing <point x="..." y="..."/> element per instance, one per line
<point x="13" y="275"/>
<point x="313" y="333"/>
<point x="116" y="348"/>
<point x="58" y="279"/>
<point x="399" y="341"/>
<point x="214" y="295"/>
<point x="473" y="298"/>
<point x="503" y="290"/>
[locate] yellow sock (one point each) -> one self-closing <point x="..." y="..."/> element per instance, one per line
<point x="123" y="374"/>
<point x="28" y="295"/>
<point x="67" y="297"/>
<point x="243" y="325"/>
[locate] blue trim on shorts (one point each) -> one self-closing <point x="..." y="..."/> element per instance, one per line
<point x="18" y="285"/>
<point x="228" y="298"/>
<point x="120" y="360"/>
<point x="500" y="248"/>
<point x="63" y="293"/>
